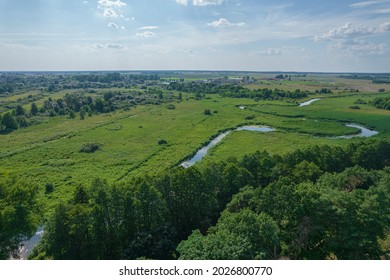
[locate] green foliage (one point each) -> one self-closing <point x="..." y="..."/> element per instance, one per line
<point x="191" y="204"/>
<point x="34" y="109"/>
<point x="72" y="115"/>
<point x="162" y="142"/>
<point x="381" y="103"/>
<point x="354" y="107"/>
<point x="207" y="111"/>
<point x="19" y="215"/>
<point x="233" y="90"/>
<point x="360" y="101"/>
<point x="19" y="111"/>
<point x="82" y="115"/>
<point x="337" y="215"/>
<point x="109" y="222"/>
<point x="250" y="117"/>
<point x="49" y="188"/>
<point x="9" y="122"/>
<point x="171" y="107"/>
<point x="90" y="148"/>
<point x="242" y="235"/>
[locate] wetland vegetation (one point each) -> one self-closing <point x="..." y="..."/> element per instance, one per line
<point x="96" y="159"/>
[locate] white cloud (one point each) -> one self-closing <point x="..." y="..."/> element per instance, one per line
<point x="352" y="38"/>
<point x="109" y="46"/>
<point x="146" y="34"/>
<point x="368" y="49"/>
<point x="113" y="25"/>
<point x="272" y="51"/>
<point x="149" y="27"/>
<point x="200" y="2"/>
<point x="364" y="4"/>
<point x="206" y="2"/>
<point x="384" y="27"/>
<point x="223" y="22"/>
<point x="346" y="31"/>
<point x="182" y="2"/>
<point x="111" y="8"/>
<point x="280" y="51"/>
<point x="114" y="46"/>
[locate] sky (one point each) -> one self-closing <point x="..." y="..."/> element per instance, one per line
<point x="246" y="35"/>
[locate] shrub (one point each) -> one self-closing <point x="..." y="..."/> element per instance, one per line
<point x="90" y="147"/>
<point x="49" y="188"/>
<point x="162" y="142"/>
<point x="354" y="107"/>
<point x="207" y="112"/>
<point x="360" y="101"/>
<point x="171" y="107"/>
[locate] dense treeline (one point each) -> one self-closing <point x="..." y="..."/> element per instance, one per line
<point x="234" y="90"/>
<point x="381" y="103"/>
<point x="321" y="202"/>
<point x="11" y="82"/>
<point x="375" y="78"/>
<point x="342" y="216"/>
<point x="84" y="104"/>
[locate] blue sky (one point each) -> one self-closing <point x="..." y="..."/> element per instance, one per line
<point x="253" y="35"/>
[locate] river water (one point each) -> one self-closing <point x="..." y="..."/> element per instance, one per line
<point x="309" y="102"/>
<point x="27" y="246"/>
<point x="364" y="132"/>
<point x="201" y="153"/>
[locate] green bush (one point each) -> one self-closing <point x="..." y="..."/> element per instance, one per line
<point x="90" y="147"/>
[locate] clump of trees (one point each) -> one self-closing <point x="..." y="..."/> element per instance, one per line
<point x="13" y="120"/>
<point x="323" y="91"/>
<point x="381" y="103"/>
<point x="234" y="90"/>
<point x="317" y="203"/>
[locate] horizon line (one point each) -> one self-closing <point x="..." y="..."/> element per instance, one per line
<point x="195" y="70"/>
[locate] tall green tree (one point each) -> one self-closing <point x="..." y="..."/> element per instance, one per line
<point x="34" y="109"/>
<point x="19" y="111"/>
<point x="19" y="215"/>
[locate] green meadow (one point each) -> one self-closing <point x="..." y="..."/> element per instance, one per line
<point x="49" y="150"/>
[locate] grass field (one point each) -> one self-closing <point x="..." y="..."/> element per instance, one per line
<point x="48" y="152"/>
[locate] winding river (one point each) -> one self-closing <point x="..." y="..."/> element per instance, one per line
<point x="364" y="132"/>
<point x="201" y="153"/>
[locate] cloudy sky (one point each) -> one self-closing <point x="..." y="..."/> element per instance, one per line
<point x="261" y="35"/>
